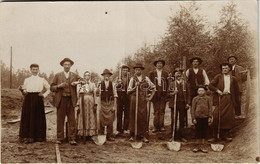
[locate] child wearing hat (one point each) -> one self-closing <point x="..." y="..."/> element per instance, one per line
<point x="201" y="114"/>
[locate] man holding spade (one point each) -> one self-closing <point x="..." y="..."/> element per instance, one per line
<point x="226" y="89"/>
<point x="138" y="102"/>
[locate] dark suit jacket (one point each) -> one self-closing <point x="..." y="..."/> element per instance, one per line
<point x="60" y="78"/>
<point x="241" y="77"/>
<point x="218" y="83"/>
<point x="164" y="77"/>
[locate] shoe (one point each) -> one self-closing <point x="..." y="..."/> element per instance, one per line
<point x="204" y="149"/>
<point x="183" y="140"/>
<point x="162" y="129"/>
<point x="73" y="142"/>
<point x="229" y="139"/>
<point x="195" y="149"/>
<point x="240" y="117"/>
<point x="131" y="139"/>
<point x="28" y="140"/>
<point x="212" y="140"/>
<point x="110" y="139"/>
<point x="126" y="132"/>
<point x="145" y="140"/>
<point x="41" y="140"/>
<point x="155" y="130"/>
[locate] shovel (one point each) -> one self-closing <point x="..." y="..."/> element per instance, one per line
<point x="100" y="139"/>
<point x="218" y="147"/>
<point x="173" y="145"/>
<point x="135" y="144"/>
<point x="83" y="119"/>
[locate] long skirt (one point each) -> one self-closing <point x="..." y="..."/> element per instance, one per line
<point x="141" y="115"/>
<point x="89" y="116"/>
<point x="33" y="121"/>
<point x="227" y="115"/>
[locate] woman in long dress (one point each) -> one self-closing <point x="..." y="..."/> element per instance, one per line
<point x="88" y="106"/>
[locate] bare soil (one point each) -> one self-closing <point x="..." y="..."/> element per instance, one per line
<point x="243" y="149"/>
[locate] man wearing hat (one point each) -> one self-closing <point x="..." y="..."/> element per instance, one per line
<point x="108" y="95"/>
<point x="159" y="78"/>
<point x="196" y="76"/>
<point x="182" y="102"/>
<point x="240" y="73"/>
<point x="122" y="82"/>
<point x="144" y="85"/>
<point x="65" y="99"/>
<point x="33" y="121"/>
<point x="225" y="88"/>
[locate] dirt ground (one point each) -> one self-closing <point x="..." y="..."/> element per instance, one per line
<point x="244" y="147"/>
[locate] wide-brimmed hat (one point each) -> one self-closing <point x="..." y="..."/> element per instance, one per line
<point x="106" y="71"/>
<point x="138" y="65"/>
<point x="159" y="60"/>
<point x="196" y="58"/>
<point x="66" y="59"/>
<point x="224" y="64"/>
<point x="125" y="66"/>
<point x="177" y="70"/>
<point x="231" y="56"/>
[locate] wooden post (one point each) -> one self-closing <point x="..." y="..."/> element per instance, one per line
<point x="11" y="67"/>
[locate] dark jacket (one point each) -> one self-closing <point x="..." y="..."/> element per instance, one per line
<point x="241" y="77"/>
<point x="218" y="83"/>
<point x="153" y="77"/>
<point x="201" y="107"/>
<point x="185" y="94"/>
<point x="60" y="78"/>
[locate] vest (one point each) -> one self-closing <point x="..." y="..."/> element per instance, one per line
<point x="143" y="86"/>
<point x="180" y="94"/>
<point x="66" y="90"/>
<point x="106" y="94"/>
<point x="195" y="79"/>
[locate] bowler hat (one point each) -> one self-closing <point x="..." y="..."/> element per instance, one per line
<point x="159" y="60"/>
<point x="66" y="59"/>
<point x="231" y="56"/>
<point x="138" y="65"/>
<point x="196" y="58"/>
<point x="106" y="71"/>
<point x="224" y="64"/>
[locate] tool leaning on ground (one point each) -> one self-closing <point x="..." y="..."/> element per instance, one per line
<point x="173" y="145"/>
<point x="135" y="144"/>
<point x="217" y="146"/>
<point x="100" y="139"/>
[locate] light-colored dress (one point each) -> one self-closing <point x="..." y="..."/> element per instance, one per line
<point x="86" y="102"/>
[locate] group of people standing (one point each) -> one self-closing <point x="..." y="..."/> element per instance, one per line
<point x="78" y="99"/>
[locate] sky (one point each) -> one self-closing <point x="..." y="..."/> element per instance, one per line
<point x="47" y="32"/>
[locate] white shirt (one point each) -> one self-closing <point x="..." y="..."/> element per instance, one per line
<point x="233" y="67"/>
<point x="226" y="83"/>
<point x="159" y="77"/>
<point x="67" y="74"/>
<point x="131" y="83"/>
<point x="206" y="79"/>
<point x="36" y="84"/>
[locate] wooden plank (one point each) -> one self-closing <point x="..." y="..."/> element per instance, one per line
<point x="57" y="153"/>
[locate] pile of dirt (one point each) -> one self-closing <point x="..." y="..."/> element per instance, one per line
<point x="246" y="139"/>
<point x="11" y="102"/>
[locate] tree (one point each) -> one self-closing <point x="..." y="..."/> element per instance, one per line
<point x="232" y="37"/>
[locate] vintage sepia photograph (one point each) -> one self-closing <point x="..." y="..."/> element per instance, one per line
<point x="129" y="81"/>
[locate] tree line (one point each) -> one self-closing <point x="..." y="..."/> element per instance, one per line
<point x="188" y="34"/>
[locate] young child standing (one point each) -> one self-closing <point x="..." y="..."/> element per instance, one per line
<point x="201" y="114"/>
